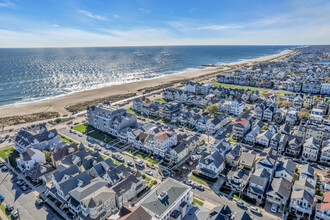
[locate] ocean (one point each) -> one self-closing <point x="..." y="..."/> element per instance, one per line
<point x="28" y="75"/>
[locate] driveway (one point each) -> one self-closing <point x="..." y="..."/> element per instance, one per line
<point x="22" y="201"/>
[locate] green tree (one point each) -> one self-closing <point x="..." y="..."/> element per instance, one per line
<point x="48" y="156"/>
<point x="264" y="127"/>
<point x="212" y="109"/>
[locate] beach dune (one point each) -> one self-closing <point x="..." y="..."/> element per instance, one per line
<point x="58" y="104"/>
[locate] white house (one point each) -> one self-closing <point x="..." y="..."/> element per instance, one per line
<point x="211" y="165"/>
<point x="29" y="158"/>
<point x="264" y="138"/>
<point x="237" y="107"/>
<point x="311" y="149"/>
<point x="325" y="152"/>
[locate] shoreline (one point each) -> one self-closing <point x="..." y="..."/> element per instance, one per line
<point x="58" y="104"/>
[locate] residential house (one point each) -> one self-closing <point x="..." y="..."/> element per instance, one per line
<point x="163" y="141"/>
<point x="29" y="158"/>
<point x="238" y="178"/>
<point x="168" y="109"/>
<point x="322" y="209"/>
<point x="258" y="184"/>
<point x="291" y="117"/>
<point x="232" y="157"/>
<point x="267" y="160"/>
<point x="64" y="151"/>
<point x="240" y="128"/>
<point x="311" y="149"/>
<point x="136" y="212"/>
<point x="325" y="152"/>
<point x="264" y="138"/>
<point x="279" y="193"/>
<point x="36" y="136"/>
<point x="248" y="160"/>
<point x="211" y="165"/>
<point x="294" y="145"/>
<point x="307" y="173"/>
<point x="286" y="169"/>
<point x="301" y="203"/>
<point x="237" y="107"/>
<point x="169" y="200"/>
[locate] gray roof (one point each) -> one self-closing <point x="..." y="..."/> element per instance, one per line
<point x="288" y="165"/>
<point x="296" y="194"/>
<point x="174" y="190"/>
<point x="280" y="187"/>
<point x="242" y="215"/>
<point x="125" y="184"/>
<point x="28" y="154"/>
<point x="58" y="176"/>
<point x="307" y="170"/>
<point x="214" y="158"/>
<point x="73" y="182"/>
<point x="260" y="177"/>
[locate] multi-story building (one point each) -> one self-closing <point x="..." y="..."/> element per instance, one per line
<point x="36" y="136"/>
<point x="169" y="200"/>
<point x="325" y="152"/>
<point x="110" y="120"/>
<point x="240" y="128"/>
<point x="211" y="165"/>
<point x="322" y="209"/>
<point x="311" y="149"/>
<point x="30" y="158"/>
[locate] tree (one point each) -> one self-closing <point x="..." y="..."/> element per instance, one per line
<point x="303" y="114"/>
<point x="48" y="156"/>
<point x="283" y="103"/>
<point x="212" y="109"/>
<point x="264" y="127"/>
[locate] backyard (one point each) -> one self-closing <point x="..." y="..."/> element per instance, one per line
<point x="11" y="153"/>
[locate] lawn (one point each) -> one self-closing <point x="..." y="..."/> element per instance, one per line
<point x="99" y="135"/>
<point x="198" y="180"/>
<point x="146" y="178"/>
<point x="3" y="208"/>
<point x="231" y="139"/>
<point x="63" y="139"/>
<point x="215" y="83"/>
<point x="196" y="201"/>
<point x="82" y="128"/>
<point x="160" y="100"/>
<point x="60" y="120"/>
<point x="153" y="161"/>
<point x="129" y="110"/>
<point x="11" y="153"/>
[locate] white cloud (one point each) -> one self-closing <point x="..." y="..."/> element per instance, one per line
<point x="91" y="15"/>
<point x="7" y="4"/>
<point x="220" y="27"/>
<point x="116" y="16"/>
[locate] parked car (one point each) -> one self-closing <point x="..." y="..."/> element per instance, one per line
<point x="139" y="163"/>
<point x="106" y="153"/>
<point x="151" y="165"/>
<point x="199" y="151"/>
<point x="98" y="148"/>
<point x="130" y="163"/>
<point x="200" y="187"/>
<point x="1" y="164"/>
<point x="4" y="169"/>
<point x="2" y="197"/>
<point x="255" y="210"/>
<point x="7" y="136"/>
<point x="14" y="214"/>
<point x="241" y="204"/>
<point x="39" y="202"/>
<point x="274" y="208"/>
<point x="149" y="172"/>
<point x="120" y="158"/>
<point x="24" y="188"/>
<point x="20" y="183"/>
<point x="189" y="182"/>
<point x="9" y="207"/>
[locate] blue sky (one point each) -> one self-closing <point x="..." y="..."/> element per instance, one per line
<point x="72" y="23"/>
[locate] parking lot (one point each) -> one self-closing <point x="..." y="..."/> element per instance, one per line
<point x="23" y="202"/>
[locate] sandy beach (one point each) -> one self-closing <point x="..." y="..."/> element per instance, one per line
<point x="59" y="104"/>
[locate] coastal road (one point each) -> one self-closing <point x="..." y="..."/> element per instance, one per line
<point x="23" y="202"/>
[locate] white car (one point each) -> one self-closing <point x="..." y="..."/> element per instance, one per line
<point x="255" y="210"/>
<point x="240" y="204"/>
<point x="149" y="172"/>
<point x="274" y="208"/>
